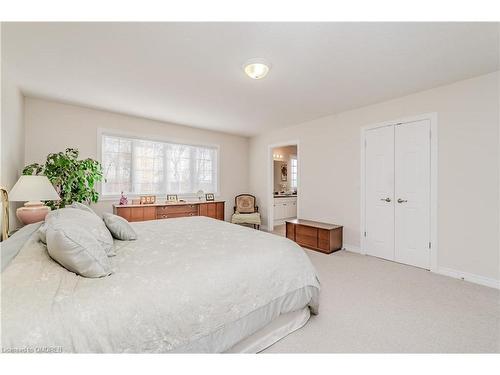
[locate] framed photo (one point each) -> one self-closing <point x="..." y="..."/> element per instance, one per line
<point x="284" y="172"/>
<point x="172" y="198"/>
<point x="148" y="199"/>
<point x="209" y="197"/>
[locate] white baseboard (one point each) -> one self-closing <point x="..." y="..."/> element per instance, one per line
<point x="481" y="280"/>
<point x="354" y="249"/>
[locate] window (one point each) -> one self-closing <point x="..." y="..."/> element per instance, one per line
<point x="137" y="166"/>
<point x="293" y="162"/>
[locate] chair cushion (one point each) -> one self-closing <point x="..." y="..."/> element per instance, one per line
<point x="253" y="218"/>
<point x="245" y="204"/>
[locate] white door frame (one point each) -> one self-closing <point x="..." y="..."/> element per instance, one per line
<point x="270" y="180"/>
<point x="432" y="117"/>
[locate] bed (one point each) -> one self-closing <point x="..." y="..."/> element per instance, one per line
<point x="190" y="284"/>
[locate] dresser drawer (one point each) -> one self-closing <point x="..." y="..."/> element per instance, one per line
<point x="186" y="209"/>
<point x="306" y="236"/>
<point x="174" y="215"/>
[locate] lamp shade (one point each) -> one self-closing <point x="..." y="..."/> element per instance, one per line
<point x="33" y="188"/>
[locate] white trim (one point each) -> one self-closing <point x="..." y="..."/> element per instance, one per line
<point x="270" y="178"/>
<point x="157" y="138"/>
<point x="352" y="248"/>
<point x="432" y="117"/>
<point x="476" y="279"/>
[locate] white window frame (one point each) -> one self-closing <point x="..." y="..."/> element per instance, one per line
<point x="155" y="138"/>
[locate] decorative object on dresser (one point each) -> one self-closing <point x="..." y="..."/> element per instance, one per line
<point x="148" y="199"/>
<point x="33" y="190"/>
<point x="172" y="198"/>
<point x="200" y="194"/>
<point x="246" y="211"/>
<point x="144" y="212"/>
<point x="322" y="237"/>
<point x="123" y="199"/>
<point x="209" y="197"/>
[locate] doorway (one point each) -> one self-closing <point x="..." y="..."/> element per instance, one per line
<point x="399" y="191"/>
<point x="283" y="185"/>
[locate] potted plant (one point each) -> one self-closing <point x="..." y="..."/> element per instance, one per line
<point x="75" y="180"/>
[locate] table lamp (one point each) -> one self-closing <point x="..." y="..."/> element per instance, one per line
<point x="33" y="190"/>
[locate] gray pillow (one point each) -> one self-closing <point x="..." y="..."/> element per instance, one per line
<point x="119" y="227"/>
<point x="12" y="245"/>
<point x="83" y="207"/>
<point x="77" y="250"/>
<point x="83" y="219"/>
<point x="42" y="232"/>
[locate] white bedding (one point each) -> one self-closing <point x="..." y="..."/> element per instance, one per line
<point x="186" y="285"/>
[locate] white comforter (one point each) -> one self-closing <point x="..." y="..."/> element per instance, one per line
<point x="185" y="285"/>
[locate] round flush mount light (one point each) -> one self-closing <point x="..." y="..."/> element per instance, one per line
<point x="256" y="68"/>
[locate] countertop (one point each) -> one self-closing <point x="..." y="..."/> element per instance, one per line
<point x="163" y="203"/>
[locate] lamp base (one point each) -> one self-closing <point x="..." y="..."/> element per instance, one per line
<point x="32" y="212"/>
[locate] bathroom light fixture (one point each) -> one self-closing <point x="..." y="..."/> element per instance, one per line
<point x="256" y="68"/>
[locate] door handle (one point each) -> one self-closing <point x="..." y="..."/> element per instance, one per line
<point x="385" y="199"/>
<point x="402" y="200"/>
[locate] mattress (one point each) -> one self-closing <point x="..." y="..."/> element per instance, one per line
<point x="190" y="284"/>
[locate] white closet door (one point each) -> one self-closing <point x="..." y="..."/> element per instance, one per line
<point x="379" y="188"/>
<point x="412" y="193"/>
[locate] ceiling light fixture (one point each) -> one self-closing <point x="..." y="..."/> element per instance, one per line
<point x="256" y="68"/>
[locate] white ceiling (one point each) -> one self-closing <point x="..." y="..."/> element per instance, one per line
<point x="190" y="73"/>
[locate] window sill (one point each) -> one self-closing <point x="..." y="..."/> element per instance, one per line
<point x="109" y="198"/>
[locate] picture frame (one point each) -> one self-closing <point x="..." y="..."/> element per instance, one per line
<point x="147" y="199"/>
<point x="284" y="172"/>
<point x="172" y="198"/>
<point x="209" y="197"/>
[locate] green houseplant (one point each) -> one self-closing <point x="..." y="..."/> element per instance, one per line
<point x="75" y="180"/>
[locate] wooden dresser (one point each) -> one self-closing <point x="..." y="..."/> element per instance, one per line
<point x="323" y="237"/>
<point x="143" y="212"/>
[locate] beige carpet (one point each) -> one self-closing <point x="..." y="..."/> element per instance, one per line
<point x="372" y="305"/>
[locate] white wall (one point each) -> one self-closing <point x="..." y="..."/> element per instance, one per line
<point x="468" y="130"/>
<point x="53" y="126"/>
<point x="12" y="134"/>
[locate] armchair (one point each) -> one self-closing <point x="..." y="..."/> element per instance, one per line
<point x="246" y="211"/>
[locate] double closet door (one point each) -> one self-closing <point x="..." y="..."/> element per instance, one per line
<point x="397" y="188"/>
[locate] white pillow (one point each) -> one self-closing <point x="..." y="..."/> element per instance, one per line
<point x="77" y="250"/>
<point x="83" y="207"/>
<point x="83" y="219"/>
<point x="119" y="227"/>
